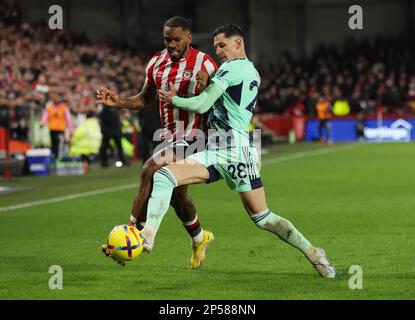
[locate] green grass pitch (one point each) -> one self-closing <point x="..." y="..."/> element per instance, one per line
<point x="357" y="201"/>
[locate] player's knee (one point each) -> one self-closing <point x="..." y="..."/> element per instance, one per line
<point x="148" y="170"/>
<point x="164" y="179"/>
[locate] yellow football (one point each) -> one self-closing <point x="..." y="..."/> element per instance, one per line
<point x="124" y="243"/>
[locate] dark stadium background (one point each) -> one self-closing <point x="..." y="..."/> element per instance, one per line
<point x="273" y="27"/>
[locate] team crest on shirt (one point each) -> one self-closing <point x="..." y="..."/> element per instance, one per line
<point x="159" y="74"/>
<point x="187" y="74"/>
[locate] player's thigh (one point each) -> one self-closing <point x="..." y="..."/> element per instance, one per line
<point x="188" y="171"/>
<point x="162" y="157"/>
<point x="254" y="201"/>
<point x="157" y="161"/>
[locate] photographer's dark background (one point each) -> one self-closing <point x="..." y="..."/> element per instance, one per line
<point x="272" y="26"/>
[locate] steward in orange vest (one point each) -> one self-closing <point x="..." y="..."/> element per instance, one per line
<point x="324" y="115"/>
<point x="58" y="118"/>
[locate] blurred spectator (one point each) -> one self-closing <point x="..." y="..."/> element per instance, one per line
<point x="411" y="94"/>
<point x="149" y="120"/>
<point x="111" y="129"/>
<point x="58" y="119"/>
<point x="341" y="107"/>
<point x="86" y="140"/>
<point x="128" y="129"/>
<point x="299" y="108"/>
<point x="4" y="114"/>
<point x="360" y="126"/>
<point x="324" y="120"/>
<point x="128" y="133"/>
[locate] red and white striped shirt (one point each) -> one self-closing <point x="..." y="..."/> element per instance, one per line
<point x="161" y="70"/>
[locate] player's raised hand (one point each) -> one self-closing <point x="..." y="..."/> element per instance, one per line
<point x="167" y="95"/>
<point x="107" y="97"/>
<point x="202" y="80"/>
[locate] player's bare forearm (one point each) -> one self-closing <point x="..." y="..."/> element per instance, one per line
<point x="142" y="100"/>
<point x="139" y="101"/>
<point x="134" y="103"/>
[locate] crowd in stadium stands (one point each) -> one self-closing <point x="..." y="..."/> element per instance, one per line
<point x="364" y="75"/>
<point x="36" y="60"/>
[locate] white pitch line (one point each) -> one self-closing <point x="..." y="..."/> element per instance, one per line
<point x="304" y="154"/>
<point x="298" y="155"/>
<point x="68" y="197"/>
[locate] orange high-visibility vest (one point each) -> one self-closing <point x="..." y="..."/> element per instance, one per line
<point x="56" y="116"/>
<point x="323" y="110"/>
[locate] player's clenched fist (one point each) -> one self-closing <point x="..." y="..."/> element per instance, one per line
<point x="202" y="79"/>
<point x="107" y="97"/>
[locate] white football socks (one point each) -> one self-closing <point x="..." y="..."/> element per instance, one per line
<point x="283" y="228"/>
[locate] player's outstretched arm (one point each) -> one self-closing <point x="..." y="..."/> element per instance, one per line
<point x="199" y="104"/>
<point x="139" y="101"/>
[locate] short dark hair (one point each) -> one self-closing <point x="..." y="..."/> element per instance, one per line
<point x="229" y="30"/>
<point x="178" y="22"/>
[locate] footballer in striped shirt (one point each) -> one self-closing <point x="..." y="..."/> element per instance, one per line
<point x="189" y="70"/>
